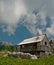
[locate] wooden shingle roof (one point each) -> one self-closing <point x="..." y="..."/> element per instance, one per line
<point x="33" y="39"/>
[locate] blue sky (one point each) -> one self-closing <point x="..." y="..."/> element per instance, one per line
<point x="19" y="35"/>
<point x="21" y="19"/>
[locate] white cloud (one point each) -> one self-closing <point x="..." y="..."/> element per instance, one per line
<point x="40" y="31"/>
<point x="36" y="23"/>
<point x="50" y="30"/>
<point x="30" y="23"/>
<point x="10" y="13"/>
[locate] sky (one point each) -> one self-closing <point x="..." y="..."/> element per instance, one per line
<point x="21" y="19"/>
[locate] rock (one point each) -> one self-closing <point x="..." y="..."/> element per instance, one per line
<point x="33" y="57"/>
<point x="5" y="55"/>
<point x="22" y="55"/>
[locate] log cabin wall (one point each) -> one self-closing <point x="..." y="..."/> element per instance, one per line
<point x="30" y="48"/>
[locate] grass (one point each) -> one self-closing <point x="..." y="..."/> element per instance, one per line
<point x="15" y="61"/>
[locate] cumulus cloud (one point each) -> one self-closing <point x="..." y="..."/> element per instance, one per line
<point x="40" y="23"/>
<point x="10" y="13"/>
<point x="36" y="23"/>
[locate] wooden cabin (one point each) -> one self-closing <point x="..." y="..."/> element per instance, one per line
<point x="35" y="45"/>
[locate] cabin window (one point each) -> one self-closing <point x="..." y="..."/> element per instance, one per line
<point x="45" y="43"/>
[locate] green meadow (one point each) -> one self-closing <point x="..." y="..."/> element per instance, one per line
<point x="15" y="61"/>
